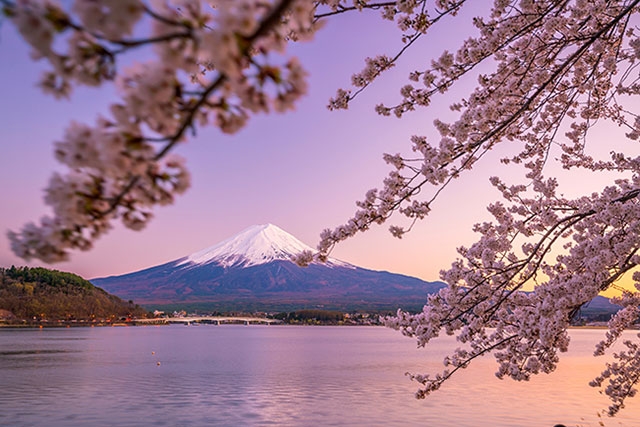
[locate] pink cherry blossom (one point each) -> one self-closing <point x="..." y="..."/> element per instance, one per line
<point x="549" y="72"/>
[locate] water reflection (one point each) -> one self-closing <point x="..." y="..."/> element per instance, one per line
<point x="284" y="376"/>
<point x="30" y="352"/>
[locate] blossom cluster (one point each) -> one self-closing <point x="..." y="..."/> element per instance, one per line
<point x="413" y="18"/>
<point x="484" y="304"/>
<point x="555" y="69"/>
<point x="622" y="376"/>
<point x="551" y="70"/>
<point x="216" y="63"/>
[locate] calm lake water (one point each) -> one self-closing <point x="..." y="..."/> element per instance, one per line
<point x="236" y="375"/>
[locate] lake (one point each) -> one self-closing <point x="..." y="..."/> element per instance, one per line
<point x="234" y="375"/>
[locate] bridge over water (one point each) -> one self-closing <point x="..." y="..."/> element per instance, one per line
<point x="213" y="320"/>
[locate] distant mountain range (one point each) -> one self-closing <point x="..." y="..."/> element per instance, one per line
<point x="253" y="271"/>
<point x="598" y="309"/>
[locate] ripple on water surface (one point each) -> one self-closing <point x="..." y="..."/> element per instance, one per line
<point x="281" y="376"/>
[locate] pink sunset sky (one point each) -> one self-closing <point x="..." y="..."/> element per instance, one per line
<point x="302" y="171"/>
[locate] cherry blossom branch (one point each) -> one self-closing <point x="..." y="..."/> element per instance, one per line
<point x="484" y="295"/>
<point x="559" y="68"/>
<point x="187" y="121"/>
<point x="433" y="384"/>
<point x="340" y="9"/>
<point x="464" y="151"/>
<point x="115" y="172"/>
<point x="376" y="66"/>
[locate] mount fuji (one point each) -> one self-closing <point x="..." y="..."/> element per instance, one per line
<point x="253" y="271"/>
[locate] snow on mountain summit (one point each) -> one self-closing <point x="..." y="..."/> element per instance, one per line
<point x="217" y="279"/>
<point x="256" y="245"/>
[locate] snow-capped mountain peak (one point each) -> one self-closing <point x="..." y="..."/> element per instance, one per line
<point x="256" y="245"/>
<point x="217" y="278"/>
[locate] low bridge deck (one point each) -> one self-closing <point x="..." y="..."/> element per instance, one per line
<point x="215" y="320"/>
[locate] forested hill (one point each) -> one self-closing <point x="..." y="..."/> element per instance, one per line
<point x="44" y="294"/>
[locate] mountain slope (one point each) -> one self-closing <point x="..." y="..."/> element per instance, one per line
<point x="40" y="293"/>
<point x="256" y="245"/>
<point x="252" y="270"/>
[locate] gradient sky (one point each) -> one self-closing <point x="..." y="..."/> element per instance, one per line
<point x="302" y="171"/>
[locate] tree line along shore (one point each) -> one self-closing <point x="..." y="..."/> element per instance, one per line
<point x="50" y="297"/>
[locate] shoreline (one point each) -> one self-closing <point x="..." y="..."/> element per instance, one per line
<point x="160" y="322"/>
<point x="63" y="324"/>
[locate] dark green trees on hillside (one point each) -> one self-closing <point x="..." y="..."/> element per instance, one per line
<point x="40" y="293"/>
